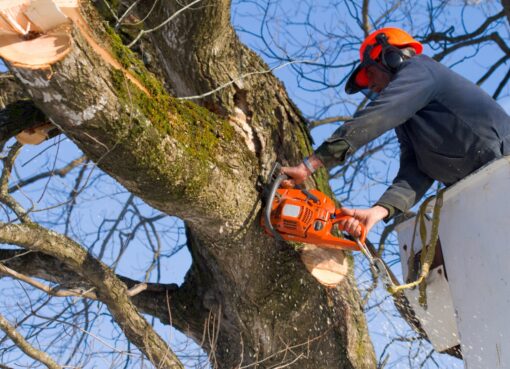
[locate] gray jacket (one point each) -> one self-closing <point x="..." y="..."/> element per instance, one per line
<point x="446" y="125"/>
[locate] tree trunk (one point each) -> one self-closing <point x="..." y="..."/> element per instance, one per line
<point x="202" y="164"/>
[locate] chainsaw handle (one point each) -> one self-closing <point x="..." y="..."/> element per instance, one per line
<point x="363" y="235"/>
<point x="269" y="201"/>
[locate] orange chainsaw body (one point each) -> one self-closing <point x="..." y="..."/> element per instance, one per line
<point x="309" y="217"/>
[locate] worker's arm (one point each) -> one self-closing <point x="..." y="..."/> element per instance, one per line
<point x="412" y="88"/>
<point x="409" y="185"/>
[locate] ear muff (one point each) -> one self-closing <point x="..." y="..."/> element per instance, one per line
<point x="391" y="56"/>
<point x="392" y="59"/>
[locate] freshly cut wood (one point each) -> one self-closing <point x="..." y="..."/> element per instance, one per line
<point x="37" y="53"/>
<point x="12" y="12"/>
<point x="328" y="266"/>
<point x="35" y="135"/>
<point x="34" y="34"/>
<point x="45" y="14"/>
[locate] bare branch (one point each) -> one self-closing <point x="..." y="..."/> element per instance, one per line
<point x="112" y="291"/>
<point x="394" y="7"/>
<point x="444" y="37"/>
<point x="364" y="14"/>
<point x="62" y="172"/>
<point x="492" y="69"/>
<point x="26" y="347"/>
<point x="146" y="296"/>
<point x="240" y="78"/>
<point x="4" y="182"/>
<point x="501" y="85"/>
<point x="316" y="123"/>
<point x="41" y="286"/>
<point x="126" y="13"/>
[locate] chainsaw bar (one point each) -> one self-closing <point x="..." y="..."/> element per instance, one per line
<point x="377" y="265"/>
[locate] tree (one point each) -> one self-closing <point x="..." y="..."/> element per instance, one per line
<point x="199" y="162"/>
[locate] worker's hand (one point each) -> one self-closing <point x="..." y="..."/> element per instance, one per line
<point x="297" y="174"/>
<point x="300" y="173"/>
<point x="367" y="217"/>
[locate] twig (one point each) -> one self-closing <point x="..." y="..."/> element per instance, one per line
<point x="126" y="13"/>
<point x="243" y="77"/>
<point x="340" y="118"/>
<point x="169" y="19"/>
<point x="135" y="290"/>
<point x="307" y="343"/>
<point x="62" y="172"/>
<point x="49" y="290"/>
<point x="4" y="183"/>
<point x="111" y="10"/>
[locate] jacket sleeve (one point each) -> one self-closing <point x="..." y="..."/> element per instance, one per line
<point x="411" y="89"/>
<point x="410" y="184"/>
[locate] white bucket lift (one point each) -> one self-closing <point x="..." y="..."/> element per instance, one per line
<point x="469" y="297"/>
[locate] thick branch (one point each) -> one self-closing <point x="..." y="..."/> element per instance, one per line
<point x="10" y="90"/>
<point x="154" y="137"/>
<point x="153" y="300"/>
<point x="205" y="53"/>
<point x="107" y="286"/>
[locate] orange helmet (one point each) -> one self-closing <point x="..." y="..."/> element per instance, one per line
<point x="371" y="49"/>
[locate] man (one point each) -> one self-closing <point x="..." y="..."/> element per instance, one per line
<point x="447" y="126"/>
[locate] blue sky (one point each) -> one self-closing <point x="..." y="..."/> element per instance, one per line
<point x="103" y="199"/>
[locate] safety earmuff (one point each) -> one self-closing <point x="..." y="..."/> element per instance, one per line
<point x="391" y="56"/>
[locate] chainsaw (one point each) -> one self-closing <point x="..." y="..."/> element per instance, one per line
<point x="309" y="216"/>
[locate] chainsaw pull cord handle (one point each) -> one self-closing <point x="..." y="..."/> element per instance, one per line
<point x="269" y="201"/>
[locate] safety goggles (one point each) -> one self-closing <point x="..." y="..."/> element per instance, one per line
<point x="358" y="80"/>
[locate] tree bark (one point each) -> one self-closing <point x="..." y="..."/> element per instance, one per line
<point x="506" y="8"/>
<point x="203" y="165"/>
